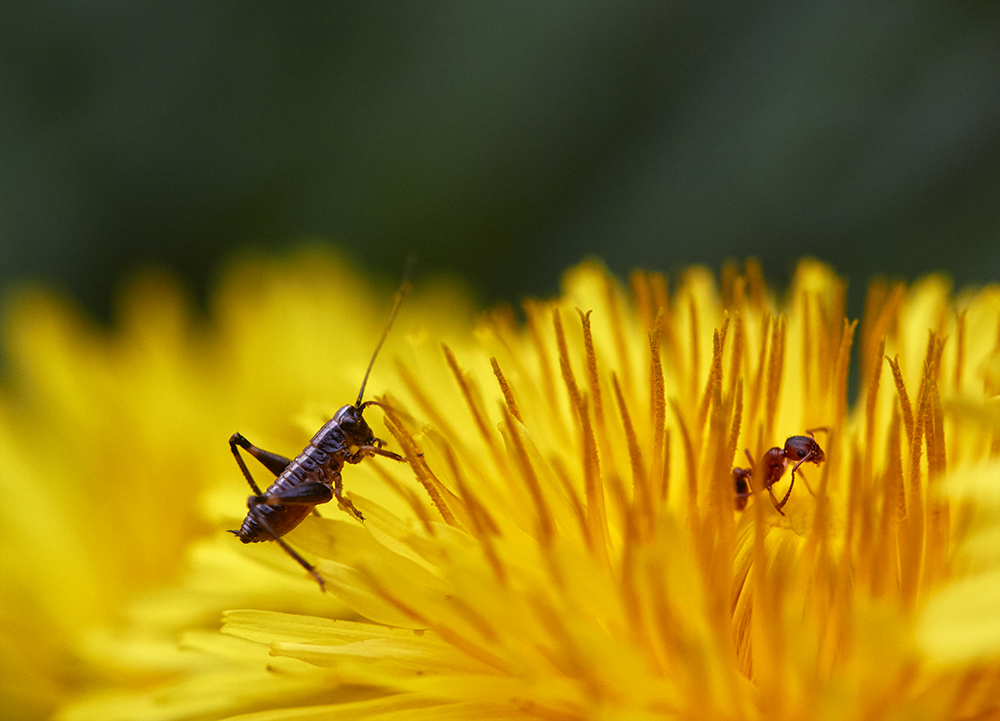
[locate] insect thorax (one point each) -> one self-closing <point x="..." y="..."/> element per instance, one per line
<point x="347" y="428"/>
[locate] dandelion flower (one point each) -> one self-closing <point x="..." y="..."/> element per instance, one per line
<point x="564" y="541"/>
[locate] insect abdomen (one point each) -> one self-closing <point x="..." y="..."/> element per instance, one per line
<point x="281" y="519"/>
<point x="306" y="467"/>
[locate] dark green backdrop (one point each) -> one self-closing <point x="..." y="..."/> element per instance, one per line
<point x="502" y="141"/>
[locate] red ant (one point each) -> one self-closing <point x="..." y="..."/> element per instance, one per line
<point x="798" y="449"/>
<point x="313" y="477"/>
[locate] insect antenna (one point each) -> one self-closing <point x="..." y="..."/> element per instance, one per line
<point x="397" y="301"/>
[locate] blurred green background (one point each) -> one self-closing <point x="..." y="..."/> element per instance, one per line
<point x="499" y="141"/>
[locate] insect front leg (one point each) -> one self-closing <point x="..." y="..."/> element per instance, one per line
<point x="377" y="451"/>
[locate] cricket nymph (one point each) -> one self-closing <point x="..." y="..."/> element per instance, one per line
<point x="314" y="476"/>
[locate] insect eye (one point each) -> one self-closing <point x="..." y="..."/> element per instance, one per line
<point x="801" y="453"/>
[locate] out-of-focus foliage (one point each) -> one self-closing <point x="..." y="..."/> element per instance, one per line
<point x="502" y="141"/>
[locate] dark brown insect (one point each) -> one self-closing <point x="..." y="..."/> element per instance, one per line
<point x="797" y="450"/>
<point x="741" y="479"/>
<point x="313" y="477"/>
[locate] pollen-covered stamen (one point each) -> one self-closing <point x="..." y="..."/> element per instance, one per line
<point x="736" y="358"/>
<point x="594" y="384"/>
<point x="546" y="525"/>
<point x="694" y="345"/>
<point x="885" y="561"/>
<point x="659" y="472"/>
<point x="775" y="370"/>
<point x="881" y="316"/>
<point x="960" y="349"/>
<point x="904" y="399"/>
<point x="713" y="385"/>
<point x="690" y="458"/>
<point x="642" y="500"/>
<point x="871" y="400"/>
<point x="734" y="433"/>
<point x="616" y="318"/>
<point x="426" y="405"/>
<point x="535" y="313"/>
<point x="508" y="394"/>
<point x="840" y="374"/>
<point x="723" y="421"/>
<point x="483" y="524"/>
<point x="593" y="482"/>
<point x="413" y="500"/>
<point x="416" y="459"/>
<point x="642" y="297"/>
<point x="756" y="374"/>
<point x="939" y="520"/>
<point x="475" y="403"/>
<point x="564" y="364"/>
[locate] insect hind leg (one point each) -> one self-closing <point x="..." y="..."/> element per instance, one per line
<point x="273" y="462"/>
<point x="252" y="504"/>
<point x="234" y="446"/>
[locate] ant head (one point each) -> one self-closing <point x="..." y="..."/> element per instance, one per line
<point x="353" y="425"/>
<point x="800" y="448"/>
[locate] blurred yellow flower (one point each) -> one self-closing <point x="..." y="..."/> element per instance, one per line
<point x="563" y="543"/>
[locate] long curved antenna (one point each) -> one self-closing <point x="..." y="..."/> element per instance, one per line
<point x="398" y="301"/>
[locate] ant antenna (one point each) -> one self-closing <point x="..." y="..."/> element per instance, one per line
<point x="398" y="301"/>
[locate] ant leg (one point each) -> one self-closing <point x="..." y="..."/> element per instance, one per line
<point x="806" y="481"/>
<point x="252" y="504"/>
<point x="802" y="460"/>
<point x="792" y="482"/>
<point x="774" y="499"/>
<point x="784" y="500"/>
<point x="271" y="461"/>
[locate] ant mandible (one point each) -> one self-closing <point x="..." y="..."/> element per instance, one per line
<point x="797" y="449"/>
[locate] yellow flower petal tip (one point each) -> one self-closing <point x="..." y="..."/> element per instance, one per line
<point x="642" y="502"/>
